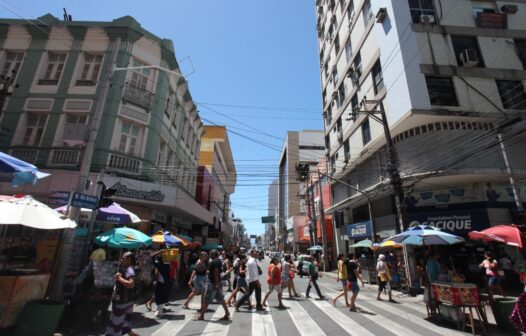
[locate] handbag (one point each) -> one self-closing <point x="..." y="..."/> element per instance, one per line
<point x="292" y="274"/>
<point x="259" y="270"/>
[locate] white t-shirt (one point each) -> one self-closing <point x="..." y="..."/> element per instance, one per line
<point x="252" y="270"/>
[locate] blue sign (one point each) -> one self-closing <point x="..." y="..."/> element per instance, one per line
<point x="84" y="201"/>
<point x="359" y="230"/>
<point x="59" y="197"/>
<point x="458" y="222"/>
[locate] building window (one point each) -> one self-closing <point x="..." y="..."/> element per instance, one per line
<point x="54" y="69"/>
<point x="90" y="70"/>
<point x="366" y="132"/>
<point x="520" y="47"/>
<point x="357" y="64"/>
<point x="467" y="51"/>
<point x="512" y="94"/>
<point x="129" y="141"/>
<point x="348" y="49"/>
<point x="342" y="6"/>
<point x="335" y="76"/>
<point x="367" y="12"/>
<point x="419" y="8"/>
<point x="347" y="150"/>
<point x="77" y="118"/>
<point x="350" y="11"/>
<point x="13" y="60"/>
<point x="354" y="101"/>
<point x="441" y="91"/>
<point x="378" y="79"/>
<point x="337" y="44"/>
<point x="139" y="77"/>
<point x="326" y="69"/>
<point x="35" y="124"/>
<point x="341" y="95"/>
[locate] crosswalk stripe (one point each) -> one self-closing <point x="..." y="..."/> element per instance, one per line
<point x="215" y="328"/>
<point x="386" y="323"/>
<point x="341" y="319"/>
<point x="262" y="324"/>
<point x="303" y="322"/>
<point x="173" y="327"/>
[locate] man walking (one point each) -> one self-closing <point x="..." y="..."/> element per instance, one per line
<point x="384" y="276"/>
<point x="214" y="288"/>
<point x="313" y="277"/>
<point x="353" y="274"/>
<point x="253" y="273"/>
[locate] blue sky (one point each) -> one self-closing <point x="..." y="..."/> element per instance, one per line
<point x="255" y="61"/>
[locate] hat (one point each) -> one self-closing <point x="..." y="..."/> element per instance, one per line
<point x="381" y="257"/>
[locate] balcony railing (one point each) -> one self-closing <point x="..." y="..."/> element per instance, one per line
<point x="125" y="164"/>
<point x="28" y="155"/>
<point x="65" y="157"/>
<point x="137" y="95"/>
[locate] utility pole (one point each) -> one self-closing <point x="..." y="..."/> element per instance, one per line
<point x="314" y="216"/>
<point x="323" y="225"/>
<point x="516" y="195"/>
<point x="309" y="212"/>
<point x="68" y="237"/>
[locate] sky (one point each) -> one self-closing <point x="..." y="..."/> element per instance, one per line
<point x="252" y="66"/>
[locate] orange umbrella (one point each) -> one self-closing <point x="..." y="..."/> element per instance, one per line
<point x="506" y="234"/>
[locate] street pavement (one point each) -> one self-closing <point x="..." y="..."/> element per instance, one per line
<point x="303" y="316"/>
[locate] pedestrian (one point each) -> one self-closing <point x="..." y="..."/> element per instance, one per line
<point x="313" y="278"/>
<point x="287" y="276"/>
<point x="162" y="282"/>
<point x="214" y="290"/>
<point x="253" y="273"/>
<point x="242" y="285"/>
<point x="198" y="279"/>
<point x="342" y="279"/>
<point x="300" y="267"/>
<point x="274" y="282"/>
<point x="382" y="270"/>
<point x="492" y="273"/>
<point x="123" y="298"/>
<point x="353" y="274"/>
<point x="227" y="273"/>
<point x="235" y="266"/>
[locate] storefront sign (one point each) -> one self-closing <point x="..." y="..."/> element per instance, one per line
<point x="124" y="191"/>
<point x="59" y="197"/>
<point x="84" y="201"/>
<point x="359" y="230"/>
<point x="458" y="222"/>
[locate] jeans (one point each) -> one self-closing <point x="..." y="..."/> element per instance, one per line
<point x="315" y="284"/>
<point x="253" y="286"/>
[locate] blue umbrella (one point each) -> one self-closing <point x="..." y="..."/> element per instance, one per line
<point x="426" y="235"/>
<point x="315" y="248"/>
<point x="123" y="237"/>
<point x="19" y="172"/>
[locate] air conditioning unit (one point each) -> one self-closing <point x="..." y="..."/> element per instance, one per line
<point x="381" y="15"/>
<point x="509" y="9"/>
<point x="335" y="95"/>
<point x="469" y="58"/>
<point x="427" y="18"/>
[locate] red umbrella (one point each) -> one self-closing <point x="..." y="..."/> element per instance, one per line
<point x="507" y="234"/>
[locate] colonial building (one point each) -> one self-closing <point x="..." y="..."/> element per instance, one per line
<point x="449" y="76"/>
<point x="148" y="142"/>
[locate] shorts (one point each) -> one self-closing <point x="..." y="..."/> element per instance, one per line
<point x="343" y="282"/>
<point x="212" y="294"/>
<point x="353" y="286"/>
<point x="493" y="280"/>
<point x="285" y="278"/>
<point x="277" y="288"/>
<point x="242" y="282"/>
<point x="382" y="285"/>
<point x="200" y="284"/>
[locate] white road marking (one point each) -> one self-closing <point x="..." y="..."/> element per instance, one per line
<point x="303" y="322"/>
<point x="341" y="319"/>
<point x="262" y="324"/>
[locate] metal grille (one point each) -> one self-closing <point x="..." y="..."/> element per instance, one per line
<point x="124" y="163"/>
<point x="65" y="157"/>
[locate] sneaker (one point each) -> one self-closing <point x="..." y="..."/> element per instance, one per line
<point x="158" y="313"/>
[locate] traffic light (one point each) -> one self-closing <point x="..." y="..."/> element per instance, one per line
<point x="105" y="199"/>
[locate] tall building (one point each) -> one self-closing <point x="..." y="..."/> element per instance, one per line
<point x="303" y="147"/>
<point x="217" y="181"/>
<point x="450" y="78"/>
<point x="148" y="141"/>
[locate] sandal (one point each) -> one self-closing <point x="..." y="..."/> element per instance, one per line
<point x="198" y="318"/>
<point x="186" y="307"/>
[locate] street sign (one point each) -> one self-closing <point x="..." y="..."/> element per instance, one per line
<point x="253" y="236"/>
<point x="267" y="220"/>
<point x="84" y="201"/>
<point x="59" y="197"/>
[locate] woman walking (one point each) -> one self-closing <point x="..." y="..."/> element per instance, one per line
<point x="198" y="280"/>
<point x="492" y="273"/>
<point x="242" y="285"/>
<point x="287" y="276"/>
<point x="162" y="282"/>
<point x="342" y="279"/>
<point x="274" y="282"/>
<point x="123" y="298"/>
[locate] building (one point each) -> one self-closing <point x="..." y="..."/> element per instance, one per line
<point x="271" y="228"/>
<point x="449" y="76"/>
<point x="305" y="148"/>
<point x="147" y="145"/>
<point x="217" y="181"/>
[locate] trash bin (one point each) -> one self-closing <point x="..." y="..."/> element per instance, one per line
<point x="39" y="318"/>
<point x="502" y="308"/>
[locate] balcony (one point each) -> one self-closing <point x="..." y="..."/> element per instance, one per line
<point x="491" y="20"/>
<point x="65" y="157"/>
<point x="138" y="96"/>
<point x="125" y="164"/>
<point x="75" y="134"/>
<point x="28" y="155"/>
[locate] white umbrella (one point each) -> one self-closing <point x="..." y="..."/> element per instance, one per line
<point x="29" y="212"/>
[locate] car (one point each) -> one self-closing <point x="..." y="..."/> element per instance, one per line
<point x="302" y="257"/>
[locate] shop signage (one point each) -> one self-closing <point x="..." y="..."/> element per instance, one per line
<point x="458" y="222"/>
<point x="124" y="191"/>
<point x="59" y="197"/>
<point x="359" y="230"/>
<point x="491" y="20"/>
<point x="267" y="220"/>
<point x="84" y="201"/>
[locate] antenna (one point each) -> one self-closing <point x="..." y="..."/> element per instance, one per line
<point x="67" y="17"/>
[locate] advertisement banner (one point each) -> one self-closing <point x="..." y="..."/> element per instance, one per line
<point x="359" y="230"/>
<point x="458" y="222"/>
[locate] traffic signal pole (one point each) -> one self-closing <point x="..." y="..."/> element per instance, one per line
<point x="323" y="225"/>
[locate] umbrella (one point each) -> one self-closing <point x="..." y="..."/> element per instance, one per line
<point x="207" y="247"/>
<point x="315" y="248"/>
<point x="386" y="244"/>
<point x="18" y="171"/>
<point x="425" y="235"/>
<point x="28" y="211"/>
<point x="364" y="243"/>
<point x="185" y="237"/>
<point x="123" y="238"/>
<point x="167" y="238"/>
<point x="114" y="214"/>
<point x="506" y="234"/>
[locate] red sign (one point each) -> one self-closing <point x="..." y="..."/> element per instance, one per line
<point x="491" y="20"/>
